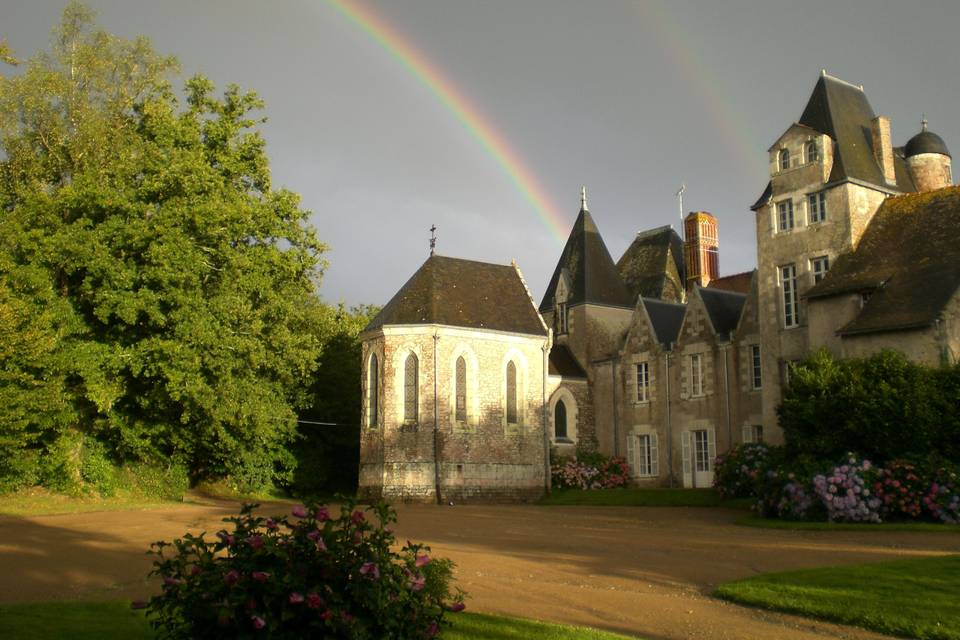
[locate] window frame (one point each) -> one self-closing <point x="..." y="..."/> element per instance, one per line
<point x="373" y="391"/>
<point x="756" y="367"/>
<point x="705" y="458"/>
<point x="784" y="159"/>
<point x="696" y="375"/>
<point x="790" y="297"/>
<point x="460" y="410"/>
<point x="512" y="401"/>
<point x="823" y="262"/>
<point x="411" y="389"/>
<point x="557" y="437"/>
<point x="561" y="319"/>
<point x="643" y="390"/>
<point x="785" y="214"/>
<point x="817" y="207"/>
<point x="811" y="152"/>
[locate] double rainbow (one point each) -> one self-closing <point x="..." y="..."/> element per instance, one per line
<point x="469" y="115"/>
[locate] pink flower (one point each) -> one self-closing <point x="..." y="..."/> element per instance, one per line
<point x="357" y="537"/>
<point x="317" y="537"/>
<point x="422" y="561"/>
<point x="258" y="622"/>
<point x="225" y="537"/>
<point x="314" y="601"/>
<point x="231" y="577"/>
<point x="357" y="517"/>
<point x="417" y="583"/>
<point x="138" y="604"/>
<point x="322" y="514"/>
<point x="433" y="629"/>
<point x="196" y="570"/>
<point x="295" y="598"/>
<point x="371" y="569"/>
<point x="346" y="617"/>
<point x="260" y="576"/>
<point x="271" y="524"/>
<point x="457" y="607"/>
<point x="326" y="615"/>
<point x="171" y="582"/>
<point x="299" y="511"/>
<point x="255" y="541"/>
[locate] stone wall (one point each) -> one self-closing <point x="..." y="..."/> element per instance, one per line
<point x="483" y="457"/>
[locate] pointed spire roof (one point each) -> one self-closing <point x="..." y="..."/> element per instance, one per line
<point x="587" y="263"/>
<point x="841" y="110"/>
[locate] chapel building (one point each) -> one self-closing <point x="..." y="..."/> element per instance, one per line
<point x="656" y="357"/>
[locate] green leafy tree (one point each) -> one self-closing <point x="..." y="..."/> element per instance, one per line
<point x="179" y="283"/>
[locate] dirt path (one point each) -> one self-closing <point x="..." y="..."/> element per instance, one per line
<point x="640" y="571"/>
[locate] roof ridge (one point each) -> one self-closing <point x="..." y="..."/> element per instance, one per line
<point x="858" y="87"/>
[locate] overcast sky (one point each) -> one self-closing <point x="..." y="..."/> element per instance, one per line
<point x="629" y="98"/>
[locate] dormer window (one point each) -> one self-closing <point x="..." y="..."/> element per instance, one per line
<point x="784" y="159"/>
<point x="811" y="151"/>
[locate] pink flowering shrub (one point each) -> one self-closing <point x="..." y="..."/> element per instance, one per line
<point x="846" y="494"/>
<point x="737" y="472"/>
<point x="942" y="499"/>
<point x="591" y="471"/>
<point x="311" y="576"/>
<point x="900" y="488"/>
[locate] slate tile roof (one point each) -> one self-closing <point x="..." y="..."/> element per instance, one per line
<point x="907" y="263"/>
<point x="652" y="266"/>
<point x="666" y="318"/>
<point x="562" y="362"/>
<point x="593" y="276"/>
<point x="723" y="307"/>
<point x="463" y="293"/>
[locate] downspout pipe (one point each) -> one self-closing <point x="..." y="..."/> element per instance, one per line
<point x="616" y="418"/>
<point x="726" y="388"/>
<point x="666" y="367"/>
<point x="436" y="422"/>
<point x="544" y="417"/>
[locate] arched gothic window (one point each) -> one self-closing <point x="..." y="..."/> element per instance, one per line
<point x="461" y="391"/>
<point x="512" y="393"/>
<point x="784" y="159"/>
<point x="411" y="389"/>
<point x="373" y="387"/>
<point x="812" y="154"/>
<point x="560" y="420"/>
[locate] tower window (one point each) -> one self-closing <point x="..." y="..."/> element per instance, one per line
<point x="788" y="280"/>
<point x="560" y="420"/>
<point x="561" y="319"/>
<point x="461" y="391"/>
<point x="411" y="389"/>
<point x="813" y="154"/>
<point x="817" y="206"/>
<point x="784" y="159"/>
<point x="819" y="267"/>
<point x="373" y="377"/>
<point x="785" y="215"/>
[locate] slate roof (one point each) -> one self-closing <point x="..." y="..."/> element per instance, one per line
<point x="563" y="363"/>
<point x="463" y="293"/>
<point x="723" y="307"/>
<point x="737" y="282"/>
<point x="645" y="266"/>
<point x="908" y="261"/>
<point x="842" y="111"/>
<point x="926" y="142"/>
<point x="593" y="276"/>
<point x="666" y="318"/>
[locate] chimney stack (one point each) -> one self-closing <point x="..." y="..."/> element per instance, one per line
<point x="883" y="148"/>
<point x="700" y="249"/>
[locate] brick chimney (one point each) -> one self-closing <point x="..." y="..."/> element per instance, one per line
<point x="700" y="248"/>
<point x="883" y="148"/>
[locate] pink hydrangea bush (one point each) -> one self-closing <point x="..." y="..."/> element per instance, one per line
<point x="596" y="472"/>
<point x="314" y="575"/>
<point x="846" y="494"/>
<point x="942" y="498"/>
<point x="737" y="472"/>
<point x="900" y="488"/>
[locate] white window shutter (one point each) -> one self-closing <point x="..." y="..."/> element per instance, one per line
<point x="654" y="456"/>
<point x="685" y="446"/>
<point x="632" y="453"/>
<point x="747" y="433"/>
<point x="711" y="448"/>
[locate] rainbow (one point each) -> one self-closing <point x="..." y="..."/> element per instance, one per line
<point x="468" y="114"/>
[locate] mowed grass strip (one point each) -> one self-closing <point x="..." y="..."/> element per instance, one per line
<point x="918" y="598"/>
<point x="797" y="525"/>
<point x="117" y="621"/>
<point x="641" y="498"/>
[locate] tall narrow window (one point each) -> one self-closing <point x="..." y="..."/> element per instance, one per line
<point x="411" y="389"/>
<point x="373" y="378"/>
<point x="511" y="393"/>
<point x="643" y="382"/>
<point x="647" y="455"/>
<point x="819" y="266"/>
<point x="560" y="420"/>
<point x="784" y="159"/>
<point x="701" y="450"/>
<point x="788" y="280"/>
<point x="561" y="320"/>
<point x="461" y="409"/>
<point x="756" y="379"/>
<point x="785" y="215"/>
<point x="817" y="207"/>
<point x="812" y="153"/>
<point x="696" y="374"/>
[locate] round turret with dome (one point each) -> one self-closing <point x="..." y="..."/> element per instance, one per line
<point x="929" y="160"/>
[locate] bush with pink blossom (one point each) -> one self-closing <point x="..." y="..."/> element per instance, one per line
<point x="846" y="493"/>
<point x="316" y="575"/>
<point x="900" y="487"/>
<point x="942" y="498"/>
<point x="590" y="470"/>
<point x="737" y="472"/>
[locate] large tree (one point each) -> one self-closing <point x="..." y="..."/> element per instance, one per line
<point x="167" y="289"/>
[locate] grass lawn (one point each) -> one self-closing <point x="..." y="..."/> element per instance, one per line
<point x="772" y="523"/>
<point x="642" y="498"/>
<point x="116" y="621"/>
<point x="913" y="598"/>
<point x="38" y="501"/>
